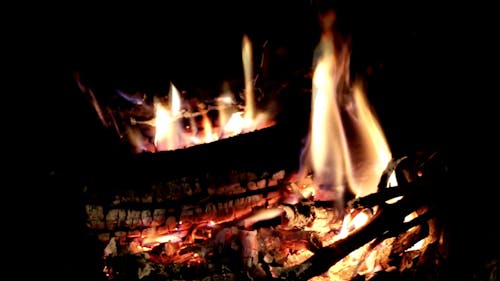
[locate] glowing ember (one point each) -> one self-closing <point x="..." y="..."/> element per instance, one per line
<point x="155" y="240"/>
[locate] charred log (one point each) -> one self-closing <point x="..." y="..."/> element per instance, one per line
<point x="178" y="205"/>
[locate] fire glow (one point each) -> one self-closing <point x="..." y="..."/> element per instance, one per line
<point x="347" y="147"/>
<point x="153" y="122"/>
<point x="346" y="153"/>
<point x="171" y="133"/>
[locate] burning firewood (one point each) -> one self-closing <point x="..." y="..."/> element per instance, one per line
<point x="187" y="201"/>
<point x="296" y="240"/>
<point x="387" y="222"/>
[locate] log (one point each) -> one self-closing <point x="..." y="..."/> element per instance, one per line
<point x="270" y="149"/>
<point x="200" y="196"/>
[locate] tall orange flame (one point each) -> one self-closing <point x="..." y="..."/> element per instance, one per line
<point x="346" y="147"/>
<point x="246" y="51"/>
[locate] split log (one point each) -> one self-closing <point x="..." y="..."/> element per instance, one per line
<point x="266" y="150"/>
<point x="196" y="199"/>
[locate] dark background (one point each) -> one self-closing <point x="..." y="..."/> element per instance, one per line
<point x="401" y="50"/>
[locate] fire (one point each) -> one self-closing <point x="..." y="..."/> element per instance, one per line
<point x="170" y="133"/>
<point x="347" y="149"/>
<point x="353" y="220"/>
<point x="153" y="122"/>
<point x="248" y="75"/>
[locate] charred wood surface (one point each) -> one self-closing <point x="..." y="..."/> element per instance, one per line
<point x="194" y="202"/>
<point x="265" y="150"/>
<point x="219" y="175"/>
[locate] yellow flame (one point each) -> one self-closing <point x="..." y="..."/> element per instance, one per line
<point x="170" y="133"/>
<point x="370" y="151"/>
<point x="224" y="102"/>
<point x="328" y="146"/>
<point x="347" y="147"/>
<point x="168" y="129"/>
<point x="353" y="221"/>
<point x="159" y="239"/>
<point x="248" y="76"/>
<point x="420" y="244"/>
<point x="327" y="136"/>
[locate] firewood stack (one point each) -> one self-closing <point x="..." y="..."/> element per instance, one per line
<point x="237" y="224"/>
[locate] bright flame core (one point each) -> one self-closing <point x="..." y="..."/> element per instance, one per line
<point x="168" y="128"/>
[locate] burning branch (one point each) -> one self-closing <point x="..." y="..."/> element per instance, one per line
<point x="387" y="222"/>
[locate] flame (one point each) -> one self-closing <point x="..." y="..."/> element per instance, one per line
<point x="169" y="132"/>
<point x="168" y="128"/>
<point x="235" y="124"/>
<point x="248" y="76"/>
<point x="224" y="103"/>
<point x="152" y="240"/>
<point x="346" y="150"/>
<point x="208" y="133"/>
<point x="420" y="244"/>
<point x="328" y="146"/>
<point x="371" y="153"/>
<point x="346" y="147"/>
<point x="353" y="221"/>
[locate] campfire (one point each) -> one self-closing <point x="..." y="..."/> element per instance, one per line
<point x="348" y="210"/>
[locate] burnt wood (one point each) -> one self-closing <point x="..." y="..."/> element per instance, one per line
<point x="265" y="150"/>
